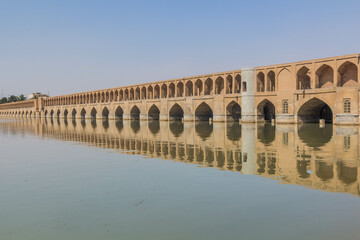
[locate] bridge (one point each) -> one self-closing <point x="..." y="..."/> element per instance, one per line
<point x="324" y="90"/>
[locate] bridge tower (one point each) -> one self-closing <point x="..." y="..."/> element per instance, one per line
<point x="248" y="95"/>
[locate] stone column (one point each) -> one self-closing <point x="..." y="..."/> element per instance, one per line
<point x="248" y="97"/>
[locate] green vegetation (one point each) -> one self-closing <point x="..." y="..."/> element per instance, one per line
<point x="12" y="98"/>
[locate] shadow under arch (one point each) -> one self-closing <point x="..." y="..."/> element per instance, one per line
<point x="119" y="124"/>
<point x="346" y="174"/>
<point x="203" y="112"/>
<point x="154" y="126"/>
<point x="135" y="113"/>
<point x="203" y="129"/>
<point x="154" y="113"/>
<point x="233" y="131"/>
<point x="266" y="133"/>
<point x="324" y="170"/>
<point x="176" y="128"/>
<point x="314" y="110"/>
<point x="105" y="113"/>
<point x="135" y="125"/>
<point x="233" y="111"/>
<point x="266" y="110"/>
<point x="93" y="113"/>
<point x="176" y="112"/>
<point x="119" y="113"/>
<point x="314" y="136"/>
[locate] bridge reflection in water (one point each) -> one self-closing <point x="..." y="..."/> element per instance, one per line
<point x="319" y="158"/>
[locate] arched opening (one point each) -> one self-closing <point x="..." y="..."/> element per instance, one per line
<point x="314" y="110"/>
<point x="143" y="93"/>
<point x="233" y="111"/>
<point x="176" y="112"/>
<point x="266" y="111"/>
<point x="73" y="113"/>
<point x="66" y="112"/>
<point x="126" y="94"/>
<point x="132" y="95"/>
<point x="135" y="113"/>
<point x="203" y="112"/>
<point x="58" y="113"/>
<point x="324" y="77"/>
<point x="157" y="91"/>
<point x="260" y="82"/>
<point x="348" y="75"/>
<point x="198" y="87"/>
<point x="83" y="113"/>
<point x="93" y="113"/>
<point x="180" y="89"/>
<point x="154" y="113"/>
<point x="270" y="81"/>
<point x="51" y="113"/>
<point x="150" y="92"/>
<point x="137" y="93"/>
<point x="219" y="85"/>
<point x="303" y="78"/>
<point x="229" y="84"/>
<point x="164" y="91"/>
<point x="171" y="90"/>
<point x="237" y="87"/>
<point x="119" y="113"/>
<point x="105" y="113"/>
<point x="189" y="89"/>
<point x="208" y="86"/>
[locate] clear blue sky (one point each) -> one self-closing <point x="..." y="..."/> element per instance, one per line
<point x="66" y="46"/>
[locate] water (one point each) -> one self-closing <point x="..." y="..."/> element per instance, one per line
<point x="160" y="180"/>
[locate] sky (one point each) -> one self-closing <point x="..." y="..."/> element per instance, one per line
<point x="68" y="46"/>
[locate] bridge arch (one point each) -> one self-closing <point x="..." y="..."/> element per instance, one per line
<point x="93" y="113"/>
<point x="203" y="112"/>
<point x="83" y="113"/>
<point x="119" y="113"/>
<point x="219" y="85"/>
<point x="208" y="86"/>
<point x="314" y="110"/>
<point x="51" y="113"/>
<point x="237" y="87"/>
<point x="105" y="113"/>
<point x="266" y="110"/>
<point x="157" y="91"/>
<point x="154" y="113"/>
<point x="176" y="112"/>
<point x="58" y="113"/>
<point x="164" y="91"/>
<point x="189" y="89"/>
<point x="324" y="77"/>
<point x="171" y="90"/>
<point x="260" y="82"/>
<point x="303" y="78"/>
<point x="180" y="89"/>
<point x="271" y="81"/>
<point x="73" y="113"/>
<point x="348" y="74"/>
<point x="198" y="87"/>
<point x="66" y="113"/>
<point x="135" y="113"/>
<point x="229" y="84"/>
<point x="233" y="111"/>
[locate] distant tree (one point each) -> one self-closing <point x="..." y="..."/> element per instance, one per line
<point x="3" y="100"/>
<point x="21" y="97"/>
<point x="12" y="98"/>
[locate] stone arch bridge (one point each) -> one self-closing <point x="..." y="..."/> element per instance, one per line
<point x="305" y="91"/>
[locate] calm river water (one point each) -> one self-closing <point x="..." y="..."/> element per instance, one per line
<point x="168" y="180"/>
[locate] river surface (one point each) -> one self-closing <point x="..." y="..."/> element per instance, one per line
<point x="104" y="180"/>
